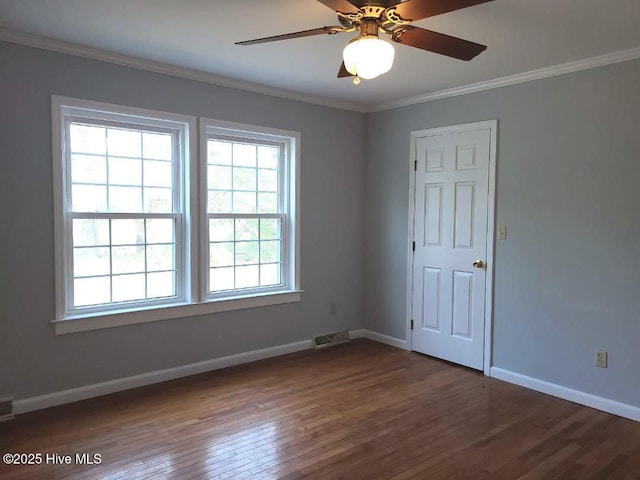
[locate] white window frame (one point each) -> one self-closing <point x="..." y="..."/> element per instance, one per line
<point x="289" y="198"/>
<point x="288" y="179"/>
<point x="194" y="255"/>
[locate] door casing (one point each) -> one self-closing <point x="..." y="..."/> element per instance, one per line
<point x="492" y="126"/>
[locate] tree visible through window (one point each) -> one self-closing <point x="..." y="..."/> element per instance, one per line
<point x="141" y="222"/>
<point x="123" y="212"/>
<point x="245" y="214"/>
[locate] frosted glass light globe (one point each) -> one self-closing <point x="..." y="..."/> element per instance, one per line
<point x="368" y="57"/>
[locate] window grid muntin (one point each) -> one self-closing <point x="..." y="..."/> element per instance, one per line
<point x="282" y="252"/>
<point x="256" y="141"/>
<point x="177" y="261"/>
<point x="138" y="125"/>
<point x="178" y="162"/>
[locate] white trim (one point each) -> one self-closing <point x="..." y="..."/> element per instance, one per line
<point x="492" y="126"/>
<point x="547" y="72"/>
<point x="75" y="49"/>
<point x="60" y="46"/>
<point x="491" y="244"/>
<point x="104" y="388"/>
<point x="289" y="186"/>
<point x="170" y="312"/>
<point x="39" y="402"/>
<point x="380" y="338"/>
<point x="64" y="110"/>
<point x="600" y="403"/>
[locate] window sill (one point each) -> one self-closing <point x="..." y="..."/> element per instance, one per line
<point x="167" y="312"/>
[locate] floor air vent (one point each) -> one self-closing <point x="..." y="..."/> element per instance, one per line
<point x="322" y="341"/>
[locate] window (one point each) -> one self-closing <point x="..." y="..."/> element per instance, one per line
<point x="248" y="212"/>
<point x="130" y="244"/>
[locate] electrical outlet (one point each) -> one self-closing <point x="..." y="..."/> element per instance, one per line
<point x="332" y="308"/>
<point x="601" y="358"/>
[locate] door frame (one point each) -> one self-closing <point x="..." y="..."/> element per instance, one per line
<point x="492" y="126"/>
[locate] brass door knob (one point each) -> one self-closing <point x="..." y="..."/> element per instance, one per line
<point x="478" y="264"/>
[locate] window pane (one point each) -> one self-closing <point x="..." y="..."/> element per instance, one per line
<point x="219" y="177"/>
<point x="161" y="284"/>
<point x="125" y="171"/>
<point x="89" y="198"/>
<point x="127" y="259"/>
<point x="157" y="145"/>
<point x="270" y="252"/>
<point x="160" y="230"/>
<point x="269" y="229"/>
<point x="89" y="232"/>
<point x="221" y="279"/>
<point x="158" y="200"/>
<point x="91" y="291"/>
<point x="244" y="202"/>
<point x="88" y="169"/>
<point x="270" y="274"/>
<point x="86" y="139"/>
<point x="244" y="179"/>
<point x="219" y="153"/>
<point x="221" y="254"/>
<point x="244" y="155"/>
<point x="160" y="257"/>
<point x="246" y="253"/>
<point x="91" y="262"/>
<point x="268" y="202"/>
<point x="219" y="202"/>
<point x="268" y="157"/>
<point x="158" y="174"/>
<point x="267" y="180"/>
<point x="221" y="230"/>
<point x="124" y="143"/>
<point x="247" y="229"/>
<point x="125" y="199"/>
<point x="247" y="277"/>
<point x="127" y="232"/>
<point x="128" y="287"/>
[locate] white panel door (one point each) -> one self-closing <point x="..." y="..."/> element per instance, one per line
<point x="450" y="234"/>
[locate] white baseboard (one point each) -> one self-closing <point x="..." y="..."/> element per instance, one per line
<point x="599" y="403"/>
<point x="30" y="404"/>
<point x="89" y="391"/>
<point x="380" y="338"/>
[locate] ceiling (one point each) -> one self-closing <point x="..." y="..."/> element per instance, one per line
<point x="521" y="35"/>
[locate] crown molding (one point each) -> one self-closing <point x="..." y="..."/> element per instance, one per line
<point x="36" y="41"/>
<point x="585" y="64"/>
<point x="59" y="46"/>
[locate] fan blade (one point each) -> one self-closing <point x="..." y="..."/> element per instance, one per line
<point x="287" y="36"/>
<point x="343" y="72"/>
<point x="417" y="9"/>
<point x="439" y="43"/>
<point x="341" y="6"/>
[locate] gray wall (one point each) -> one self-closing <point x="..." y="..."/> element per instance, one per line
<point x="565" y="282"/>
<point x="33" y="360"/>
<point x="566" y="279"/>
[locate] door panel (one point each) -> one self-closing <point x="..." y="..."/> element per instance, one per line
<point x="450" y="228"/>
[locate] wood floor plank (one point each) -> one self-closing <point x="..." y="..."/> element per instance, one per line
<point x="357" y="411"/>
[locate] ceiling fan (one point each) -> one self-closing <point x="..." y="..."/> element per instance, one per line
<point x="367" y="56"/>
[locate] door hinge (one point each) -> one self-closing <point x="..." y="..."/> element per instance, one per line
<point x="411" y="324"/>
<point x="415" y="165"/>
<point x="414" y="246"/>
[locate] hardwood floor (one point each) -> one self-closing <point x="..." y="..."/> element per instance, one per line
<point x="358" y="411"/>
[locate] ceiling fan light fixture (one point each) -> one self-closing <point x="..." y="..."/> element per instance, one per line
<point x="368" y="56"/>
